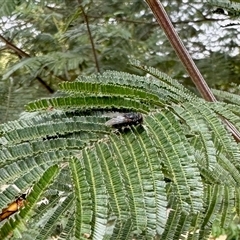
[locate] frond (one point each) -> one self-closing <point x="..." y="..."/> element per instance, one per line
<point x="88" y="103"/>
<point x="56" y="213"/>
<point x="227" y="96"/>
<point x="84" y="203"/>
<point x="172" y="176"/>
<point x="177" y="90"/>
<point x="166" y="132"/>
<point x="32" y="199"/>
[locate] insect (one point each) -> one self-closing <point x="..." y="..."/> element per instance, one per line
<point x="13" y="207"/>
<point x="125" y="119"/>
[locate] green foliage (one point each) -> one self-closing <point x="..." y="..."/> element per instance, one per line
<point x="33" y="198"/>
<point x="56" y="44"/>
<point x="175" y="176"/>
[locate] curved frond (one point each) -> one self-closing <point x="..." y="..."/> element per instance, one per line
<point x="57" y="212"/>
<point x="173" y="175"/>
<point x="178" y="159"/>
<point x="87" y="103"/>
<point x="84" y="209"/>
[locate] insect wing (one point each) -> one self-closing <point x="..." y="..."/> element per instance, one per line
<point x="125" y="119"/>
<point x="116" y="121"/>
<point x="12" y="207"/>
<point x="6" y="212"/>
<point x="5" y="215"/>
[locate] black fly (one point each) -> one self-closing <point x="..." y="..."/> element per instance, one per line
<point x="125" y="119"/>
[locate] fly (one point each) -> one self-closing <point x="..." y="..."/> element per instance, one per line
<point x="125" y="119"/>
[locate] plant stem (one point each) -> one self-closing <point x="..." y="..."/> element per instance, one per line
<point x="23" y="54"/>
<point x="85" y="17"/>
<point x="180" y="49"/>
<point x="177" y="44"/>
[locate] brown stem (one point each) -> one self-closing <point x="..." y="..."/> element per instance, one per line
<point x="197" y="78"/>
<point x="17" y="50"/>
<point x="91" y="38"/>
<point x="22" y="54"/>
<point x="180" y="49"/>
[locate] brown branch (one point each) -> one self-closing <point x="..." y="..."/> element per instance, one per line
<point x="180" y="49"/>
<point x="177" y="44"/>
<point x="22" y="54"/>
<point x="14" y="48"/>
<point x="90" y="37"/>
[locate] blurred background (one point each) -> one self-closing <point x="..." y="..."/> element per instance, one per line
<point x="43" y="43"/>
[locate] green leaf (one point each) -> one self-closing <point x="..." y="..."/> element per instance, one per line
<point x="32" y="199"/>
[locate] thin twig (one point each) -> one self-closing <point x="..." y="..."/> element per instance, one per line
<point x="14" y="48"/>
<point x="22" y="54"/>
<point x="118" y="19"/>
<point x="91" y="38"/>
<point x="197" y="78"/>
